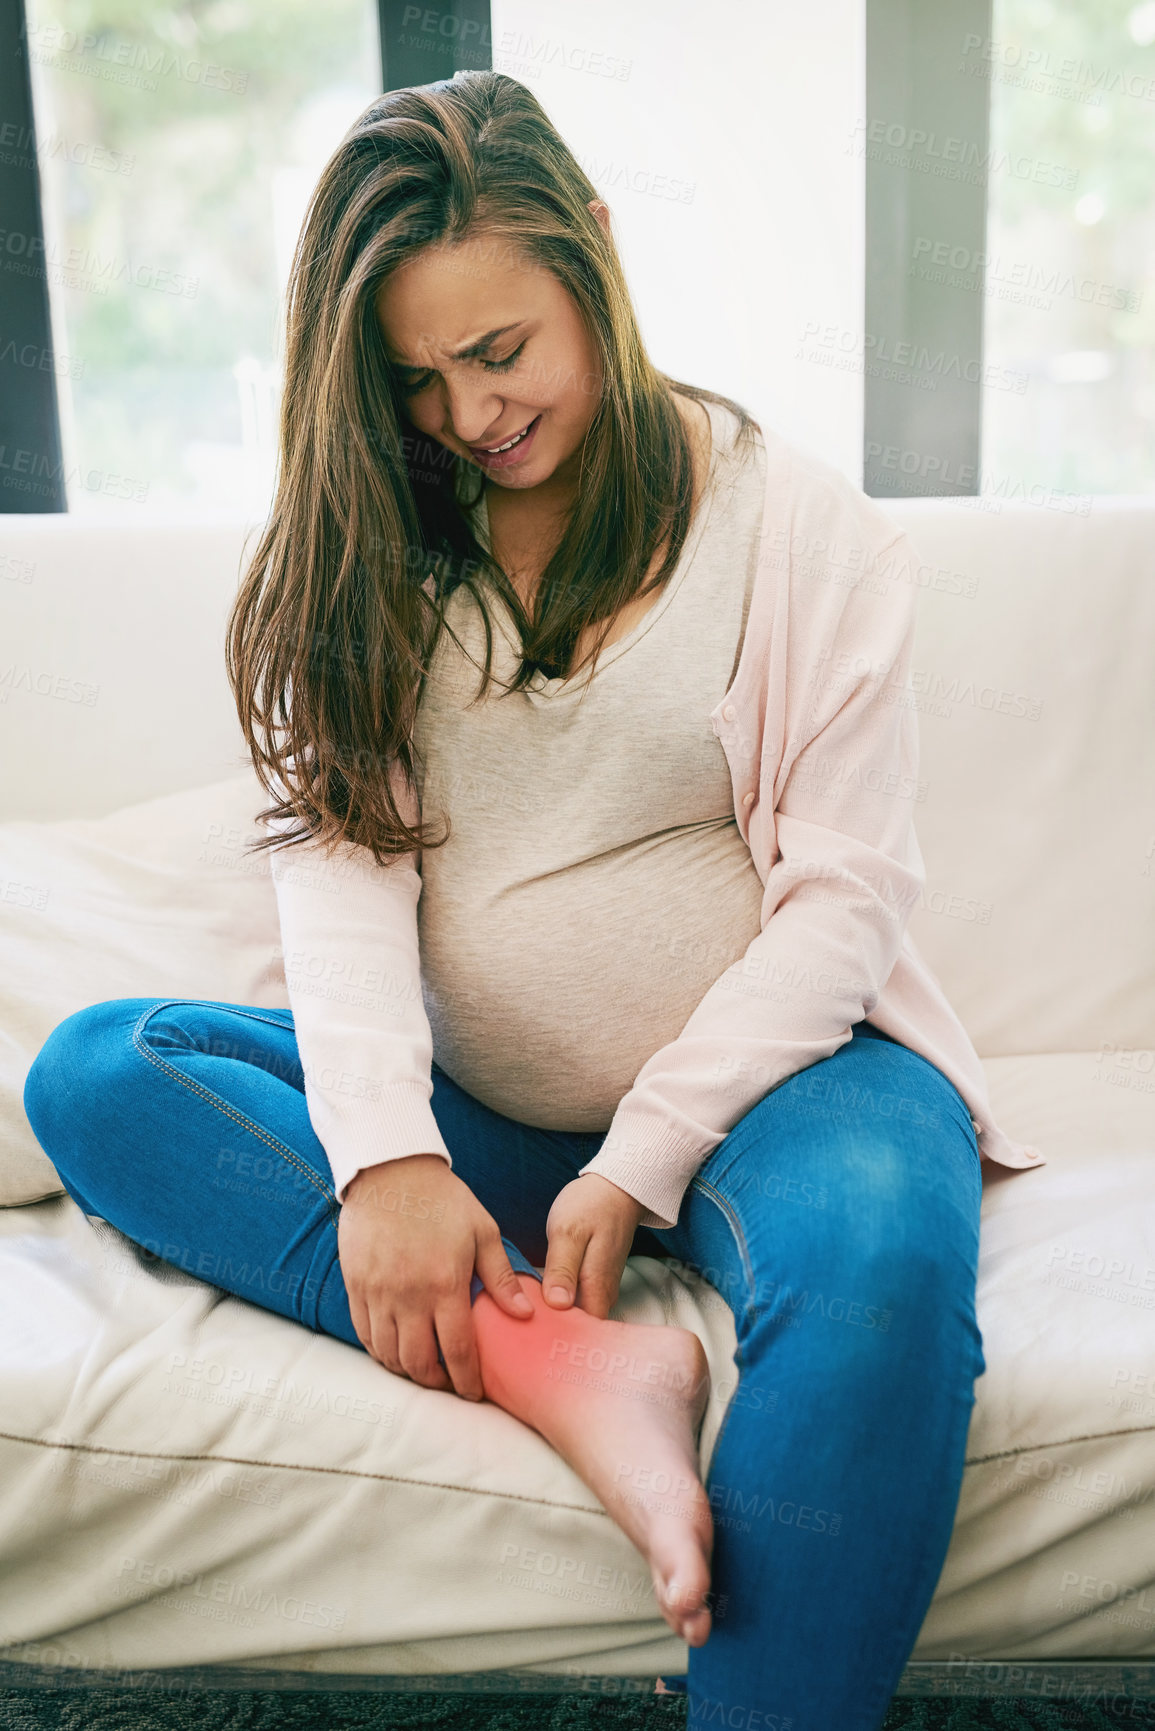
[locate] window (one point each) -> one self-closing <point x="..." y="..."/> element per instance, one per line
<point x="177" y="146"/>
<point x="1018" y="325"/>
<point x="1010" y="240"/>
<point x="1069" y="276"/>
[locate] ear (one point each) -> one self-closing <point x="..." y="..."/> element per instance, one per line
<point x="601" y="211"/>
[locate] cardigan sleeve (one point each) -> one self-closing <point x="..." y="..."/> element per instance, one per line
<point x="349" y="935"/>
<point x="847" y="875"/>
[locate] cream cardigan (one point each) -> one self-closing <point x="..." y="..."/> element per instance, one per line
<point x="821" y="738"/>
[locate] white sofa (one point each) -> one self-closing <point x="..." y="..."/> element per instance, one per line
<point x="186" y="1480"/>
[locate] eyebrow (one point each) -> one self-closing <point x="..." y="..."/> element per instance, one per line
<point x="470" y="351"/>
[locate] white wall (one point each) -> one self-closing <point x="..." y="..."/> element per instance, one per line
<point x="748" y="110"/>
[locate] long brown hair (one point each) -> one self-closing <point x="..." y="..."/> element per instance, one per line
<point x="341" y="604"/>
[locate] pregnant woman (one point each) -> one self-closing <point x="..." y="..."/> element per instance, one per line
<point x="582" y="702"/>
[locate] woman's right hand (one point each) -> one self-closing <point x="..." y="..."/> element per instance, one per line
<point x="409" y="1236"/>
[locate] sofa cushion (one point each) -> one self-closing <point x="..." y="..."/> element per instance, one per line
<point x="157" y="899"/>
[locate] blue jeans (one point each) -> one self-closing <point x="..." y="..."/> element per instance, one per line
<point x="839" y="1220"/>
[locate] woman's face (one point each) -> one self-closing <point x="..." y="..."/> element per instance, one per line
<point x="486" y="344"/>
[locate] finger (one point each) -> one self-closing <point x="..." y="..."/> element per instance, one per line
<point x="500" y="1280"/>
<point x="458" y="1340"/>
<point x="597" y="1285"/>
<point x="595" y="1300"/>
<point x="417" y="1349"/>
<point x="563" y="1261"/>
<point x="381" y="1341"/>
<point x="359" y="1316"/>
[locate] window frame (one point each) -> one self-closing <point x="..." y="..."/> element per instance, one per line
<point x="923" y="110"/>
<point x="29" y="402"/>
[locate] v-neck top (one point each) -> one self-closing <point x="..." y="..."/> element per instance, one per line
<point x="595" y="882"/>
<point x="542" y="686"/>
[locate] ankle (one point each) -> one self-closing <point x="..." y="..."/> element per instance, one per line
<point x="519" y="1357"/>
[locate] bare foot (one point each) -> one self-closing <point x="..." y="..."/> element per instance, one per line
<point x="622" y="1403"/>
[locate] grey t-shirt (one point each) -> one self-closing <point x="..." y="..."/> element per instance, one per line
<point x="595" y="883"/>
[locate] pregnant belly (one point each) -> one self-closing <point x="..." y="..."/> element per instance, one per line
<point x="547" y="996"/>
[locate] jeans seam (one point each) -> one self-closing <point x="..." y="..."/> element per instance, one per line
<point x="707" y="1189"/>
<point x="313" y="1319"/>
<point x="222" y="1106"/>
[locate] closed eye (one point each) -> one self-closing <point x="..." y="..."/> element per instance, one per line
<point x="503" y="366"/>
<point x="409" y="387"/>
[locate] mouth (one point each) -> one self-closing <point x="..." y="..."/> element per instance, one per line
<point x="510" y="450"/>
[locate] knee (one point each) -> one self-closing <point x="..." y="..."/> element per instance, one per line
<point x="910" y="1237"/>
<point x="78" y="1067"/>
<point x="911" y="1276"/>
<point x="894" y="1234"/>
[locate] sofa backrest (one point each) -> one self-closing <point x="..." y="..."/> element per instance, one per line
<point x="1032" y="680"/>
<point x="112" y="677"/>
<point x="1034" y="684"/>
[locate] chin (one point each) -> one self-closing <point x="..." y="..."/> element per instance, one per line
<point x="515" y="482"/>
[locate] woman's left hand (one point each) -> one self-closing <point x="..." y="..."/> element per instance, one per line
<point x="590" y="1229"/>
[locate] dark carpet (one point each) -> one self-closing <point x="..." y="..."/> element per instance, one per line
<point x="275" y="1710"/>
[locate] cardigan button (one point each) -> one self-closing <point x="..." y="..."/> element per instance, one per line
<point x="729" y="712"/>
<point x="747" y="799"/>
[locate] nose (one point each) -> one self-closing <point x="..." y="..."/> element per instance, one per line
<point x="473" y="408"/>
